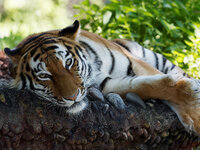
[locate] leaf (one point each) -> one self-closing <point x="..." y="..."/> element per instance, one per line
<point x="189" y="43"/>
<point x="106" y="17"/>
<point x="86" y="2"/>
<point x="182" y="7"/>
<point x="169" y="27"/>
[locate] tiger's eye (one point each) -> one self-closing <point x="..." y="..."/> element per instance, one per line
<point x="43" y="75"/>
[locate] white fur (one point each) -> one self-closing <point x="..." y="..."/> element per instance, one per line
<point x="77" y="108"/>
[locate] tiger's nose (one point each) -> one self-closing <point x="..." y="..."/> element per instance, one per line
<point x="72" y="97"/>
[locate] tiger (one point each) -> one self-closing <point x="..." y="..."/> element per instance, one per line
<point x="60" y="65"/>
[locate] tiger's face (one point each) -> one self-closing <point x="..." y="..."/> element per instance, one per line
<point x="50" y="64"/>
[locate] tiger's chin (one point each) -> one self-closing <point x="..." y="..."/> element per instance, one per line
<point x="77" y="107"/>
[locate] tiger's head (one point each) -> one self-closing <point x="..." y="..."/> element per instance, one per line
<point x="51" y="64"/>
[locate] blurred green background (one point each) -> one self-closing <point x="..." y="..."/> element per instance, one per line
<point x="170" y="27"/>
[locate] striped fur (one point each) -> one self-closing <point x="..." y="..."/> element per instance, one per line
<point x="60" y="65"/>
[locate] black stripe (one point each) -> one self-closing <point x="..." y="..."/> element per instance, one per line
<point x="79" y="48"/>
<point x="33" y="51"/>
<point x="27" y="67"/>
<point x="36" y="70"/>
<point x="86" y="45"/>
<point x="36" y="57"/>
<point x="40" y="40"/>
<point x="60" y="54"/>
<point x="24" y="62"/>
<point x="98" y="61"/>
<point x="113" y="61"/>
<point x="30" y="81"/>
<point x="83" y="62"/>
<point x="33" y="38"/>
<point x="45" y="39"/>
<point x="129" y="69"/>
<point x="143" y="51"/>
<point x="31" y="47"/>
<point x="69" y="49"/>
<point x="25" y="57"/>
<point x="164" y="63"/>
<point x="51" y="48"/>
<point x="156" y="59"/>
<point x="33" y="74"/>
<point x="122" y="45"/>
<point x="36" y="37"/>
<point x="166" y="70"/>
<point x="77" y="52"/>
<point x="83" y="70"/>
<point x="50" y="41"/>
<point x="103" y="83"/>
<point x="173" y="66"/>
<point x="67" y="53"/>
<point x="23" y="81"/>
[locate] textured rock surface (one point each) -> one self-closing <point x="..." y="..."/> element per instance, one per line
<point x="27" y="122"/>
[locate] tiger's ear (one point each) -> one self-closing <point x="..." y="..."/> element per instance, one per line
<point x="13" y="54"/>
<point x="72" y="31"/>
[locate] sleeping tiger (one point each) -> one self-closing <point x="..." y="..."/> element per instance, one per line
<point x="61" y="65"/>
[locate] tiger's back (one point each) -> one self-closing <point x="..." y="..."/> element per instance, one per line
<point x="112" y="58"/>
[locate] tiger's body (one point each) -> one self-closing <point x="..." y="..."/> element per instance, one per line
<point x="60" y="65"/>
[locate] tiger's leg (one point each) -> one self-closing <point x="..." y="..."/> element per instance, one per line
<point x="182" y="94"/>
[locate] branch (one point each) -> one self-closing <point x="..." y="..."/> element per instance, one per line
<point x="27" y="121"/>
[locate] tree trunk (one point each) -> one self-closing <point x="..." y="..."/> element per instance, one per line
<point x="29" y="122"/>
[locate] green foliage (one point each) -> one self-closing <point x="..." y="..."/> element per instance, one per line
<point x="169" y="27"/>
<point x="165" y="26"/>
<point x="10" y="41"/>
<point x="21" y="18"/>
<point x="193" y="57"/>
